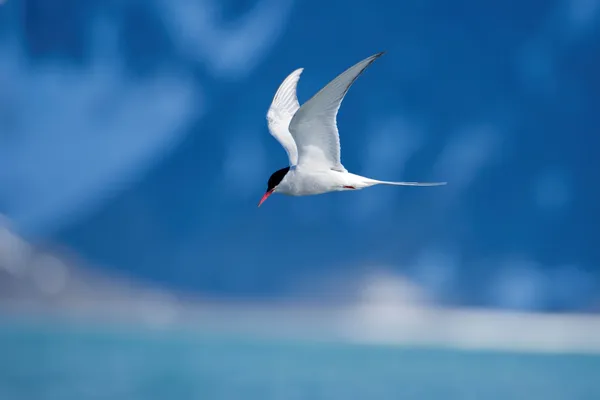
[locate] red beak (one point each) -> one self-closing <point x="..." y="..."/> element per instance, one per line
<point x="265" y="196"/>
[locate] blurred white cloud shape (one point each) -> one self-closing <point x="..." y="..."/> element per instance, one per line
<point x="230" y="49"/>
<point x="71" y="135"/>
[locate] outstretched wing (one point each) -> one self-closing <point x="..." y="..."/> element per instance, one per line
<point x="284" y="106"/>
<point x="314" y="126"/>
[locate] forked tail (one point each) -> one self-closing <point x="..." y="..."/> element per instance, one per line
<point x="409" y="183"/>
<point x="353" y="181"/>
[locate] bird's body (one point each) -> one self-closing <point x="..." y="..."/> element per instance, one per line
<point x="310" y="137"/>
<point x="302" y="181"/>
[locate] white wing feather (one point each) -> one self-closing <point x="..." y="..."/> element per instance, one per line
<point x="314" y="125"/>
<point x="284" y="106"/>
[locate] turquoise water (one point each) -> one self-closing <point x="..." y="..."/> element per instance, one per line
<point x="74" y="363"/>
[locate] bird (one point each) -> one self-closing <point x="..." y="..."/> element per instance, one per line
<point x="310" y="137"/>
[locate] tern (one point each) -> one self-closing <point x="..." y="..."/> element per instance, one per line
<point x="310" y="137"/>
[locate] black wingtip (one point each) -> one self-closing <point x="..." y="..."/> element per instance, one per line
<point x="380" y="54"/>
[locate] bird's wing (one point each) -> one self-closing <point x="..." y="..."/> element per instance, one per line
<point x="284" y="106"/>
<point x="314" y="126"/>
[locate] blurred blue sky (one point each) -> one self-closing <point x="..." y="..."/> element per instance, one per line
<point x="134" y="133"/>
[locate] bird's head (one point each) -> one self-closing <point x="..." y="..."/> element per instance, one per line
<point x="274" y="180"/>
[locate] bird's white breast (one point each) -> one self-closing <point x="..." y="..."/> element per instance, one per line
<point x="304" y="182"/>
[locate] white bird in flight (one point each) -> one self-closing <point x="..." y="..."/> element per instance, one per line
<point x="309" y="135"/>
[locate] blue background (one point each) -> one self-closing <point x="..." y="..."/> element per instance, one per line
<point x="133" y="134"/>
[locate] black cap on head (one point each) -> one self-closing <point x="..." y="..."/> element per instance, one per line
<point x="276" y="178"/>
